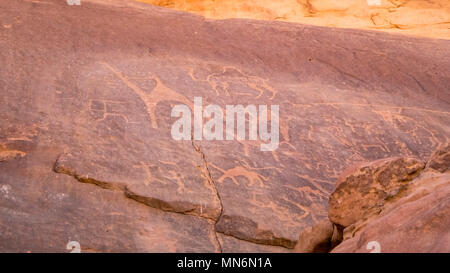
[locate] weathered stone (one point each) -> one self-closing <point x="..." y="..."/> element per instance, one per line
<point x="42" y="211"/>
<point x="367" y="188"/>
<point x="416" y="222"/>
<point x="233" y="245"/>
<point x="149" y="183"/>
<point x="440" y="159"/>
<point x="316" y="239"/>
<point x="92" y="100"/>
<point x="423" y="18"/>
<point x="8" y="154"/>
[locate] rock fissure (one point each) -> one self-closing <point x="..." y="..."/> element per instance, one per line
<point x="281" y="242"/>
<point x="148" y="201"/>
<point x="214" y="187"/>
<point x="259" y="242"/>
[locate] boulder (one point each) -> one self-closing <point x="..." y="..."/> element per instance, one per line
<point x="394" y="205"/>
<point x="320" y="238"/>
<point x="367" y="187"/>
<point x="416" y="222"/>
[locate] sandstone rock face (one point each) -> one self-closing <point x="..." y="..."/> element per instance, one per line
<point x="367" y="188"/>
<point x="413" y="219"/>
<point x="440" y="159"/>
<point x="416" y="17"/>
<point x="89" y="100"/>
<point x="320" y="238"/>
<point x="417" y="222"/>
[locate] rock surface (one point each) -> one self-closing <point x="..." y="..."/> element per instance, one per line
<point x="319" y="238"/>
<point x="440" y="159"/>
<point x="367" y="188"/>
<point x="89" y="100"/>
<point x="414" y="17"/>
<point x="414" y="219"/>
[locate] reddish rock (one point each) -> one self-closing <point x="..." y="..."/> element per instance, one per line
<point x="440" y="159"/>
<point x="411" y="214"/>
<point x="42" y="211"/>
<point x="231" y="244"/>
<point x="368" y="187"/>
<point x="320" y="238"/>
<point x="89" y="99"/>
<point x="151" y="184"/>
<point x="417" y="221"/>
<point x="8" y="154"/>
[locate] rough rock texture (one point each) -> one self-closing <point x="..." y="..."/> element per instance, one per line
<point x="319" y="238"/>
<point x="415" y="219"/>
<point x="231" y="244"/>
<point x="368" y="187"/>
<point x="440" y="159"/>
<point x="417" y="17"/>
<point x="89" y="100"/>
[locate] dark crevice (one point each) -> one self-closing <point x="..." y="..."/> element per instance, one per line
<point x="214" y="187"/>
<point x="148" y="201"/>
<point x="253" y="242"/>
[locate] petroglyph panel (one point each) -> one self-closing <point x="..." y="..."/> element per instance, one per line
<point x="267" y="197"/>
<point x="323" y="129"/>
<point x="127" y="150"/>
